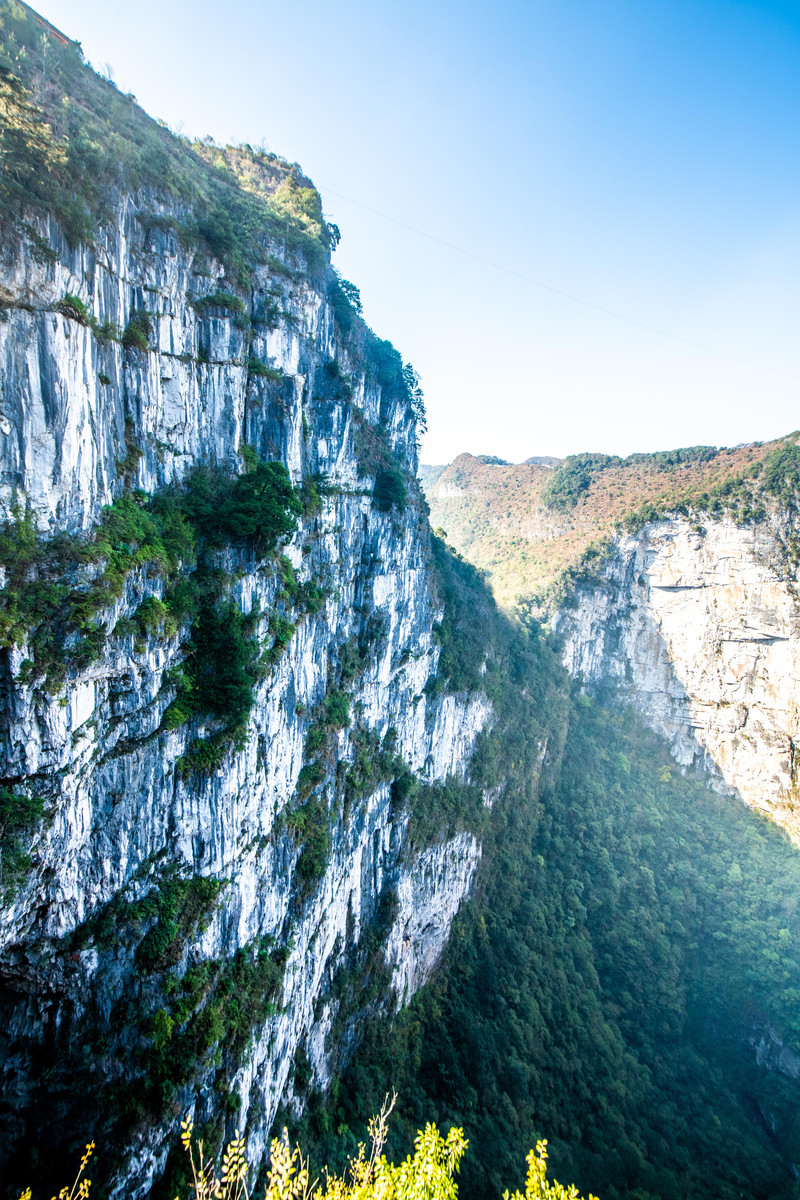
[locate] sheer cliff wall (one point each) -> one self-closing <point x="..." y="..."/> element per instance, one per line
<point x="85" y="418"/>
<point x="698" y="620"/>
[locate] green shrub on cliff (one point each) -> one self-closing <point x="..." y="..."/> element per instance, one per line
<point x="261" y="505"/>
<point x="20" y="813"/>
<point x="390" y="488"/>
<point x="58" y="591"/>
<point x="376" y="457"/>
<point x="311" y="826"/>
<point x="137" y="332"/>
<point x="221" y="664"/>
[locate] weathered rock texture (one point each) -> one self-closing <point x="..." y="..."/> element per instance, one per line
<point x="118" y="812"/>
<point x="701" y="624"/>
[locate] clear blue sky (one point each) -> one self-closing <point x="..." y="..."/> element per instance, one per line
<point x="640" y="154"/>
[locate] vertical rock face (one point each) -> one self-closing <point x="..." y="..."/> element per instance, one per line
<point x="81" y="418"/>
<point x="701" y="624"/>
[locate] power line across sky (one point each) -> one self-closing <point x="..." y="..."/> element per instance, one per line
<point x="539" y="283"/>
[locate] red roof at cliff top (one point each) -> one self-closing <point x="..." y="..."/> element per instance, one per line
<point x="60" y="37"/>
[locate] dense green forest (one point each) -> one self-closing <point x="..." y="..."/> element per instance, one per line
<point x="632" y="936"/>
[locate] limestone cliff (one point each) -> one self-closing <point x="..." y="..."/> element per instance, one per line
<point x="87" y="417"/>
<point x="698" y="620"/>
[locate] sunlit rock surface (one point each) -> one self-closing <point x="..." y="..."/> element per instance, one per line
<point x="700" y="622"/>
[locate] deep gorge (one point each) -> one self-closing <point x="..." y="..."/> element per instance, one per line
<point x="292" y="813"/>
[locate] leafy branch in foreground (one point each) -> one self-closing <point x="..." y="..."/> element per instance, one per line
<point x="536" y="1185"/>
<point x="80" y="1186"/>
<point x="428" y="1174"/>
<point x="425" y="1175"/>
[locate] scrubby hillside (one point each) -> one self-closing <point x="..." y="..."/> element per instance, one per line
<point x="528" y="524"/>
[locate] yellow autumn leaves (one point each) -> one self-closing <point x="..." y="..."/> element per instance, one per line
<point x="428" y="1174"/>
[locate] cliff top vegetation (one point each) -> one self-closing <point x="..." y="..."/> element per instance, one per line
<point x="527" y="524"/>
<point x="69" y="137"/>
<point x="71" y="143"/>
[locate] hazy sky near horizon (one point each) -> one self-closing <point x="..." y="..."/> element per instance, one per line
<point x="642" y="156"/>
